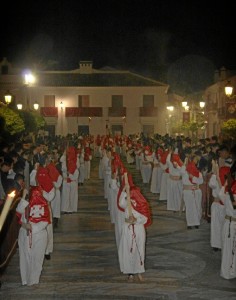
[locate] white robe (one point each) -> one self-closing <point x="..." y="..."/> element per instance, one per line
<point x="113" y="199"/>
<point x="228" y="258"/>
<point x="81" y="168"/>
<point x="146" y="167"/>
<point x="31" y="248"/>
<point x="56" y="202"/>
<point x="106" y="173"/>
<point x="69" y="196"/>
<point x="192" y="199"/>
<point x="217" y="214"/>
<point x="156" y="177"/>
<point x="49" y="197"/>
<point x="175" y="187"/>
<point x="132" y="243"/>
<point x="164" y="183"/>
<point x="137" y="159"/>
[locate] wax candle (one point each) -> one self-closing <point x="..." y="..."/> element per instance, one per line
<point x="6" y="208"/>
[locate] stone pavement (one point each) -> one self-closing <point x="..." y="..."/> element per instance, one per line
<point x="180" y="264"/>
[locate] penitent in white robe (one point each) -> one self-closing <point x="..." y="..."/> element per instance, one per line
<point x="132" y="243"/>
<point x="56" y="202"/>
<point x="192" y="199"/>
<point x="156" y="177"/>
<point x="164" y="182"/>
<point x="31" y="248"/>
<point x="69" y="195"/>
<point x="228" y="252"/>
<point x="146" y="167"/>
<point x="175" y="187"/>
<point x="217" y="214"/>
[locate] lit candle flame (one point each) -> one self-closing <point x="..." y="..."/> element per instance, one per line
<point x="12" y="194"/>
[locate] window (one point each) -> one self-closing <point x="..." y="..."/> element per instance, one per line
<point x="83" y="101"/>
<point x="148" y="129"/>
<point x="4" y="70"/>
<point x="49" y="100"/>
<point x="116" y="101"/>
<point x="148" y="100"/>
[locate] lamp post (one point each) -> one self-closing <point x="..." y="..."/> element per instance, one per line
<point x="229" y="90"/>
<point x="8" y="98"/>
<point x="230" y="105"/>
<point x="29" y="79"/>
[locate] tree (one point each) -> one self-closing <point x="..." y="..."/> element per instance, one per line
<point x="229" y="129"/>
<point x="33" y="121"/>
<point x="13" y="122"/>
<point x="192" y="127"/>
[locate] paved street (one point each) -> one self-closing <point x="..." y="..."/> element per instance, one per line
<point x="84" y="265"/>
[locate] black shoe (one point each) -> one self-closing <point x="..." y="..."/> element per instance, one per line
<point x="196" y="227"/>
<point x="189" y="227"/>
<point x="215" y="249"/>
<point x="47" y="256"/>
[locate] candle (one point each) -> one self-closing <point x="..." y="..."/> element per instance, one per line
<point x="6" y="208"/>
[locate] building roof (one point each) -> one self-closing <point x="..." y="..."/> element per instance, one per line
<point x="95" y="79"/>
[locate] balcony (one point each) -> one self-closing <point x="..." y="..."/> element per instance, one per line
<point x="117" y="111"/>
<point x="148" y="111"/>
<point x="83" y="111"/>
<point x="49" y="111"/>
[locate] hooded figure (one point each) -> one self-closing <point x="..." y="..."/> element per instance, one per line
<point x="192" y="194"/>
<point x="35" y="217"/>
<point x="174" y="182"/>
<point x="70" y="173"/>
<point x="131" y="250"/>
<point x="228" y="258"/>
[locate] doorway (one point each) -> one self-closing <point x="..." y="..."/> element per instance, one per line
<point x="117" y="129"/>
<point x="83" y="130"/>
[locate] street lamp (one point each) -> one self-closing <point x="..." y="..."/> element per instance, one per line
<point x="228" y="89"/>
<point x="19" y="106"/>
<point x="184" y="103"/>
<point x="61" y="105"/>
<point x="36" y="106"/>
<point x="29" y="79"/>
<point x="202" y="104"/>
<point x="8" y="98"/>
<point x="170" y="108"/>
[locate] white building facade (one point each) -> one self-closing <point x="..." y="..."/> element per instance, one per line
<point x="91" y="101"/>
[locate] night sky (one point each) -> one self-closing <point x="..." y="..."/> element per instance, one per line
<point x="162" y="39"/>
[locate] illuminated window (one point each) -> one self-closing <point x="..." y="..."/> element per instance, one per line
<point x="83" y="101"/>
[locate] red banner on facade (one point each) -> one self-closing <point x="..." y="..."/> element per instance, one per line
<point x="49" y="111"/>
<point x="186" y="116"/>
<point x="83" y="111"/>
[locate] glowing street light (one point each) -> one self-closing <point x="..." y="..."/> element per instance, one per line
<point x="19" y="106"/>
<point x="170" y="108"/>
<point x="202" y="104"/>
<point x="228" y="89"/>
<point x="36" y="106"/>
<point x="29" y="78"/>
<point x="8" y="98"/>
